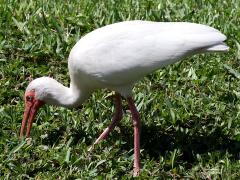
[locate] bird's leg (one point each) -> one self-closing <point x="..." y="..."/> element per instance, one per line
<point x="116" y="119"/>
<point x="136" y="126"/>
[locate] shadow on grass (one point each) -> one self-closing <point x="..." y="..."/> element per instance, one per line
<point x="54" y="136"/>
<point x="157" y="141"/>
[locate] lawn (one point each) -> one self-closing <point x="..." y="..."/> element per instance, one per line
<point x="190" y="110"/>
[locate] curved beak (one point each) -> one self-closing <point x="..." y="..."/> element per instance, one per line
<point x="30" y="112"/>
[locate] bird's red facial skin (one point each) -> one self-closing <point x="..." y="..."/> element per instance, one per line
<point x="32" y="104"/>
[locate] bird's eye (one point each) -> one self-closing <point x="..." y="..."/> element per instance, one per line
<point x="29" y="98"/>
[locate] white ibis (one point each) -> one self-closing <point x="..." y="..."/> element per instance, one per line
<point x="115" y="57"/>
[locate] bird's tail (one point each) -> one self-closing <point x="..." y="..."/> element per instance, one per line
<point x="221" y="47"/>
<point x="212" y="41"/>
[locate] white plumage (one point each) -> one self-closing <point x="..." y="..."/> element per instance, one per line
<point x="115" y="57"/>
<point x="118" y="55"/>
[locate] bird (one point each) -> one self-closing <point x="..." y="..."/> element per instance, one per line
<point x="115" y="57"/>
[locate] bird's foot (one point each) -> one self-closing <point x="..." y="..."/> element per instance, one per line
<point x="91" y="148"/>
<point x="136" y="171"/>
<point x="29" y="141"/>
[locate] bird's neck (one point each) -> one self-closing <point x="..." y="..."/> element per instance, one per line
<point x="70" y="97"/>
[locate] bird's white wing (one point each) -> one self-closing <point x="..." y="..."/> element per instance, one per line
<point x="124" y="52"/>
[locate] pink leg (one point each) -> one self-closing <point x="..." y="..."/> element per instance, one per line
<point x="116" y="119"/>
<point x="136" y="126"/>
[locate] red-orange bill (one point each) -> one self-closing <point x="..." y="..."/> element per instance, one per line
<point x="31" y="107"/>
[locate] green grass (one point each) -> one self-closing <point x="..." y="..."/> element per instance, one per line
<point x="190" y="111"/>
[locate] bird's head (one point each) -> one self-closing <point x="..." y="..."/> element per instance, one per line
<point x="40" y="91"/>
